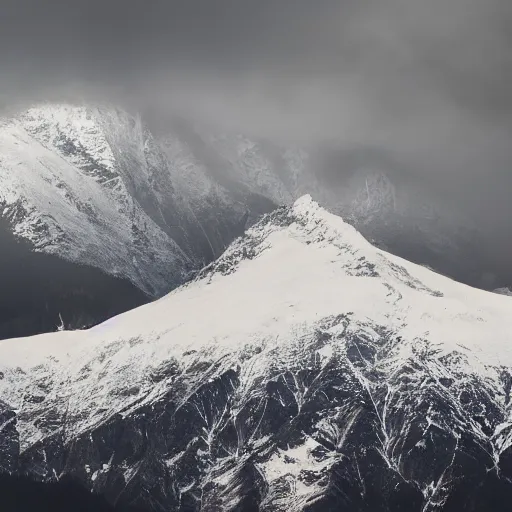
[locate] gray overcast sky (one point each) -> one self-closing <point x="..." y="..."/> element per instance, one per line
<point x="427" y="80"/>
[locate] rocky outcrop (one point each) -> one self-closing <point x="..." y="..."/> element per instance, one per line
<point x="9" y="439"/>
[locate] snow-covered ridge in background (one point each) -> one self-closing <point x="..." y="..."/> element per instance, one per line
<point x="95" y="186"/>
<point x="305" y="369"/>
<point x="60" y="189"/>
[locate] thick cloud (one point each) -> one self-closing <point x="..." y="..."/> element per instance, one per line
<point x="429" y="81"/>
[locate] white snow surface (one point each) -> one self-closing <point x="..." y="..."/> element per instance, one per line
<point x="314" y="267"/>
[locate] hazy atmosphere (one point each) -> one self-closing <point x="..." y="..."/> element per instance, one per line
<point x="426" y="82"/>
<point x="255" y="255"/>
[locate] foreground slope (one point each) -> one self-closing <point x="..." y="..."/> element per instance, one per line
<point x="303" y="370"/>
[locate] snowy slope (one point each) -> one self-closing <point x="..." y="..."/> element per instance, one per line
<point x="73" y="203"/>
<point x="304" y="368"/>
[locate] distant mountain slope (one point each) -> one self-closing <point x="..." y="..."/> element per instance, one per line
<point x="97" y="187"/>
<point x="304" y="370"/>
<point x="91" y="188"/>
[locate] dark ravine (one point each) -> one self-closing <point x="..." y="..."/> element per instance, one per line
<point x="41" y="291"/>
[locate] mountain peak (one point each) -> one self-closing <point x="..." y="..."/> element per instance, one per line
<point x="95" y="186"/>
<point x="304" y="369"/>
<point x="305" y="202"/>
<point x="303" y="356"/>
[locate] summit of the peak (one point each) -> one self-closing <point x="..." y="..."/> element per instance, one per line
<point x="306" y="202"/>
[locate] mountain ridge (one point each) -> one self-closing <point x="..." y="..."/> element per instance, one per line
<point x="342" y="377"/>
<point x="94" y="185"/>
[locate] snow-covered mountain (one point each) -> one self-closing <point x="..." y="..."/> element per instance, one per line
<point x="100" y="189"/>
<point x="89" y="188"/>
<point x="305" y="369"/>
<point x="94" y="187"/>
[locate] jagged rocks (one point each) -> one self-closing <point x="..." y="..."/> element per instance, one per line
<point x="9" y="439"/>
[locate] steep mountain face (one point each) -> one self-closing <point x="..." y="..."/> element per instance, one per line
<point x="115" y="217"/>
<point x="343" y="378"/>
<point x="403" y="215"/>
<point x="9" y="440"/>
<point x="93" y="187"/>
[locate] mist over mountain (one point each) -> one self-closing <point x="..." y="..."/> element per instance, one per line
<point x="246" y="255"/>
<point x="102" y="211"/>
<point x="415" y="92"/>
<point x="426" y="84"/>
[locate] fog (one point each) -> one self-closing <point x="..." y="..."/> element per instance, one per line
<point x="425" y="81"/>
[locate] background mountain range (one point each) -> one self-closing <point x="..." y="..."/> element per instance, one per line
<point x="101" y="210"/>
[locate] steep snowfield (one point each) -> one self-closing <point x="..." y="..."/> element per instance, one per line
<point x="300" y="354"/>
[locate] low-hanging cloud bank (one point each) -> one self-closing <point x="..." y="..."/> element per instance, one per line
<point x="428" y="81"/>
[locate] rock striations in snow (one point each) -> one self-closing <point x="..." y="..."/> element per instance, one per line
<point x="304" y="369"/>
<point x="504" y="291"/>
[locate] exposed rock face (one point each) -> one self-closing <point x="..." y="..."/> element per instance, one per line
<point x="504" y="291"/>
<point x="343" y="378"/>
<point x="9" y="439"/>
